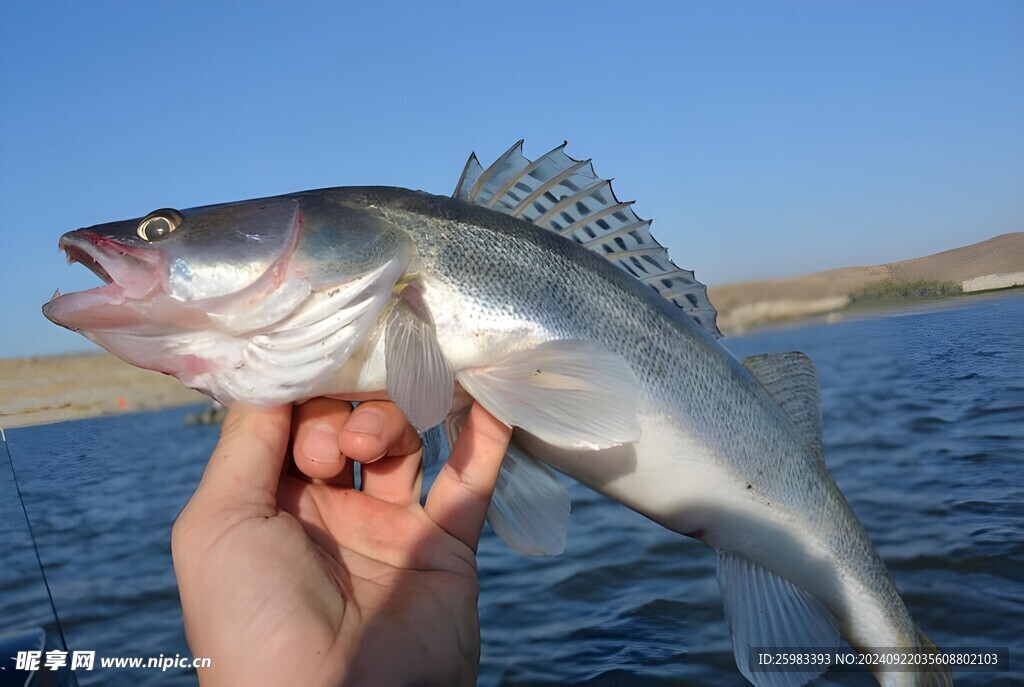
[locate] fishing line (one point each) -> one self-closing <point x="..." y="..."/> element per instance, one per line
<point x="35" y="546"/>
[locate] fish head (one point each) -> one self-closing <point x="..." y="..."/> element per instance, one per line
<point x="189" y="255"/>
<point x="166" y="273"/>
<point x="251" y="300"/>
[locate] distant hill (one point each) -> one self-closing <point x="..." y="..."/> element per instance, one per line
<point x="995" y="263"/>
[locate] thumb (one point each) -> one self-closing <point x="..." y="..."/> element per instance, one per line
<point x="246" y="465"/>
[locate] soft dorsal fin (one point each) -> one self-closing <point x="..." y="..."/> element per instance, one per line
<point x="565" y="196"/>
<point x="790" y="378"/>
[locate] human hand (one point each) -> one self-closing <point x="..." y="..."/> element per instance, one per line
<point x="284" y="581"/>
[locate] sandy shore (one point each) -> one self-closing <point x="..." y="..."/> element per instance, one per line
<point x="35" y="391"/>
<point x="997" y="263"/>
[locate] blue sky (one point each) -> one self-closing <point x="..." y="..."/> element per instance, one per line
<point x="766" y="138"/>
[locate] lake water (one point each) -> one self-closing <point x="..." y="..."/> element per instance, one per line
<point x="923" y="430"/>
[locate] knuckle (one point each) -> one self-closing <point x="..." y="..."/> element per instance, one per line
<point x="322" y="407"/>
<point x="467" y="481"/>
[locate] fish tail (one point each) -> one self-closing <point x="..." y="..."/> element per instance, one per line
<point x="921" y="675"/>
<point x="937" y="675"/>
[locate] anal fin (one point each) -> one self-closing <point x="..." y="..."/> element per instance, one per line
<point x="765" y="610"/>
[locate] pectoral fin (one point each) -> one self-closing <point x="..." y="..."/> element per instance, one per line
<point x="765" y="610"/>
<point x="568" y="393"/>
<point x="418" y="376"/>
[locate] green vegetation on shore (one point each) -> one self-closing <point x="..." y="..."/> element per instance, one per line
<point x="895" y="289"/>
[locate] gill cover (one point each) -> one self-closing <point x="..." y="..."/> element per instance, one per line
<point x="287" y="334"/>
<point x="223" y="249"/>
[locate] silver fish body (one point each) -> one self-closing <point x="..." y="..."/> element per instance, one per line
<point x="717" y="458"/>
<point x="713" y="454"/>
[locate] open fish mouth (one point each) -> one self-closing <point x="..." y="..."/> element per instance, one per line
<point x="127" y="272"/>
<point x="75" y="253"/>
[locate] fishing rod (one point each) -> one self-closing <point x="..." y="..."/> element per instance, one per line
<point x="39" y="560"/>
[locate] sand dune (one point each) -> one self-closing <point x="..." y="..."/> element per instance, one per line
<point x="995" y="263"/>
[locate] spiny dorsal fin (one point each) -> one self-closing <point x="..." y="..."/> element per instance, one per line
<point x="470" y="173"/>
<point x="566" y="196"/>
<point x="790" y="378"/>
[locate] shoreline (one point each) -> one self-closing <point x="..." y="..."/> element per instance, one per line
<point x="46" y="389"/>
<point x="987" y="266"/>
<point x="853" y="310"/>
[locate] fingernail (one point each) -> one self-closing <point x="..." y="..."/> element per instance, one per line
<point x="370" y="421"/>
<point x="321" y="445"/>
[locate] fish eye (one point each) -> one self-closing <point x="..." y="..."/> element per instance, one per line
<point x="159" y="224"/>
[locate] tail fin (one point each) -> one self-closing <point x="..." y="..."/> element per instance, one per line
<point x="932" y="676"/>
<point x="765" y="611"/>
<point x="937" y="675"/>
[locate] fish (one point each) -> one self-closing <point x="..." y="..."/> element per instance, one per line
<point x="537" y="293"/>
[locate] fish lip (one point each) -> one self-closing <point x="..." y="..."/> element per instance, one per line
<point x="128" y="273"/>
<point x="136" y="270"/>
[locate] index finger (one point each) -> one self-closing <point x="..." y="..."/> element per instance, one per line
<point x="461" y="494"/>
<point x="245" y="467"/>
